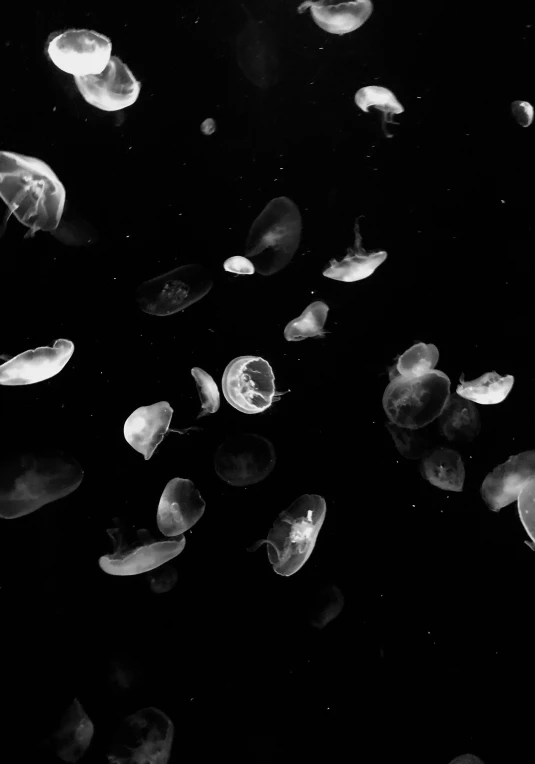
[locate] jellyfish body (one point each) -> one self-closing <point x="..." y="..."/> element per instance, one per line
<point x="181" y="506"/>
<point x="74" y="734"/>
<point x="140" y="559"/>
<point x="257" y="53"/>
<point x="382" y="99"/>
<point x="339" y="18"/>
<point x="245" y="459"/>
<point x="147" y="426"/>
<point x="358" y="264"/>
<point x="145" y="737"/>
<point x="490" y="388"/>
<point x="444" y="469"/>
<point x="32" y="192"/>
<point x="418" y="359"/>
<point x="208" y="391"/>
<point x="80" y="51"/>
<point x="208" y="126"/>
<point x="248" y="384"/>
<point x="309" y="324"/>
<point x="466" y="758"/>
<point x="113" y="89"/>
<point x="326" y="606"/>
<point x="274" y="236"/>
<point x="241" y="266"/>
<point x="526" y="508"/>
<point x="174" y="291"/>
<point x="459" y="420"/>
<point x="36" y="365"/>
<point x="522" y="112"/>
<point x="503" y="485"/>
<point x="163" y="579"/>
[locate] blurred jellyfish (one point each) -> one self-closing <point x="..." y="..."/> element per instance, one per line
<point x="73" y="230"/>
<point x="522" y="112"/>
<point x="74" y="734"/>
<point x="502" y="486"/>
<point x="326" y="605"/>
<point x="459" y="420"/>
<point x="133" y="560"/>
<point x="181" y="506"/>
<point x="339" y="18"/>
<point x="444" y="469"/>
<point x="32" y="192"/>
<point x="248" y="384"/>
<point x="466" y="758"/>
<point x="208" y="127"/>
<point x="357" y="264"/>
<point x="174" y="291"/>
<point x="293" y="536"/>
<point x="383" y="100"/>
<point x="147" y="426"/>
<point x="163" y="579"/>
<point x="489" y="388"/>
<point x="274" y="236"/>
<point x="526" y="510"/>
<point x="241" y="266"/>
<point x="208" y="391"/>
<point x="245" y="459"/>
<point x="36" y="365"/>
<point x="257" y="53"/>
<point x="309" y="324"/>
<point x="79" y="51"/>
<point x="410" y="443"/>
<point x="113" y="89"/>
<point x="145" y="737"/>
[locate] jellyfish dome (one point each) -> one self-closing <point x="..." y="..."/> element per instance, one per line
<point x="140" y="558"/>
<point x="383" y="100"/>
<point x="36" y="365"/>
<point x="245" y="459"/>
<point x="114" y="88"/>
<point x="181" y="506"/>
<point x="339" y="18"/>
<point x="522" y="112"/>
<point x="238" y="265"/>
<point x="418" y="359"/>
<point x="249" y="384"/>
<point x="80" y="51"/>
<point x="503" y="485"/>
<point x="147" y="426"/>
<point x="274" y="236"/>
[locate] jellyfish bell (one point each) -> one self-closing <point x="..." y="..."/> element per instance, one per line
<point x="459" y="420"/>
<point x="358" y="264"/>
<point x="338" y="18"/>
<point x="526" y="508"/>
<point x="140" y="558"/>
<point x="382" y="99"/>
<point x="244" y="459"/>
<point x="114" y="88"/>
<point x="490" y="388"/>
<point x="147" y="426"/>
<point x="145" y="737"/>
<point x="309" y="324"/>
<point x="208" y="391"/>
<point x="444" y="469"/>
<point x="418" y="359"/>
<point x="181" y="506"/>
<point x="274" y="236"/>
<point x="208" y="126"/>
<point x="174" y="291"/>
<point x="163" y="579"/>
<point x="238" y="265"/>
<point x="503" y="485"/>
<point x="522" y="112"/>
<point x="248" y="384"/>
<point x="416" y="401"/>
<point x="36" y="365"/>
<point x="79" y="51"/>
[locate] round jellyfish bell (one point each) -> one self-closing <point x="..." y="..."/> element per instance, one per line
<point x="163" y="579"/>
<point x="274" y="236"/>
<point x="36" y="365"/>
<point x="174" y="291"/>
<point x="113" y="89"/>
<point x="148" y="555"/>
<point x="241" y="266"/>
<point x="181" y="506"/>
<point x="490" y="388"/>
<point x="147" y="426"/>
<point x="502" y="486"/>
<point x="244" y="459"/>
<point x="208" y="127"/>
<point x="459" y="420"/>
<point x="358" y="264"/>
<point x="338" y="18"/>
<point x="382" y="99"/>
<point x="418" y="359"/>
<point x="309" y="324"/>
<point x="444" y="469"/>
<point x="145" y="737"/>
<point x="522" y="112"/>
<point x="248" y="384"/>
<point x="79" y="51"/>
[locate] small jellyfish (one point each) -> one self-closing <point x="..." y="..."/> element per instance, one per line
<point x="526" y="509"/>
<point x="244" y="459"/>
<point x="339" y="18"/>
<point x="181" y="506"/>
<point x="145" y="737"/>
<point x="147" y="426"/>
<point x="113" y="89"/>
<point x="418" y="359"/>
<point x="174" y="291"/>
<point x="79" y="51"/>
<point x="248" y="384"/>
<point x="292" y="538"/>
<point x="32" y="192"/>
<point x="358" y="264"/>
<point x="411" y="444"/>
<point x="489" y="388"/>
<point x="522" y="112"/>
<point x="502" y="486"/>
<point x="382" y="99"/>
<point x="274" y="236"/>
<point x="208" y="127"/>
<point x="459" y="420"/>
<point x="326" y="605"/>
<point x="444" y="469"/>
<point x="73" y="737"/>
<point x="147" y="555"/>
<point x="309" y="324"/>
<point x="208" y="391"/>
<point x="466" y="758"/>
<point x="163" y="579"/>
<point x="36" y="365"/>
<point x="241" y="266"/>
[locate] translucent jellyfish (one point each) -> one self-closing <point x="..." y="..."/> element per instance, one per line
<point x="418" y="359"/>
<point x="382" y="99"/>
<point x="466" y="758"/>
<point x="526" y="510"/>
<point x="32" y="480"/>
<point x="309" y="324"/>
<point x="36" y="365"/>
<point x="147" y="426"/>
<point x="208" y="391"/>
<point x="133" y="560"/>
<point x="274" y="236"/>
<point x="248" y="384"/>
<point x="326" y="605"/>
<point x="502" y="486"/>
<point x="241" y="266"/>
<point x="163" y="579"/>
<point x="79" y="51"/>
<point x="293" y="536"/>
<point x="339" y="18"/>
<point x="411" y="444"/>
<point x="32" y="192"/>
<point x="522" y="112"/>
<point x="257" y="53"/>
<point x="113" y="89"/>
<point x="145" y="737"/>
<point x="489" y="388"/>
<point x="208" y="127"/>
<point x="444" y="469"/>
<point x="357" y="264"/>
<point x="74" y="734"/>
<point x="459" y="420"/>
<point x="174" y="291"/>
<point x="245" y="459"/>
<point x="181" y="506"/>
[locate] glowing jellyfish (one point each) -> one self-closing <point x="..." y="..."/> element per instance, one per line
<point x="36" y="365"/>
<point x="248" y="384"/>
<point x="208" y="391"/>
<point x="163" y="579"/>
<point x="309" y="324"/>
<point x="383" y="100"/>
<point x="411" y="444"/>
<point x="292" y="538"/>
<point x="244" y="459"/>
<point x="418" y="359"/>
<point x="145" y="737"/>
<point x="326" y="605"/>
<point x="489" y="388"/>
<point x="32" y="192"/>
<point x="208" y="127"/>
<point x="526" y="510"/>
<point x="74" y="734"/>
<point x="502" y="486"/>
<point x="339" y="18"/>
<point x="444" y="469"/>
<point x="113" y="89"/>
<point x="274" y="236"/>
<point x="79" y="51"/>
<point x="257" y="53"/>
<point x="241" y="266"/>
<point x="147" y="555"/>
<point x="174" y="291"/>
<point x="522" y="112"/>
<point x="357" y="264"/>
<point x="459" y="420"/>
<point x="181" y="506"/>
<point x="147" y="426"/>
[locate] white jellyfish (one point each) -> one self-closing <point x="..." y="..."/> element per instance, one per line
<point x="489" y="388"/>
<point x="241" y="266"/>
<point x="522" y="112"/>
<point x="339" y="18"/>
<point x="208" y="127"/>
<point x="357" y="264"/>
<point x="79" y="51"/>
<point x="382" y="99"/>
<point x="113" y="89"/>
<point x="36" y="365"/>
<point x="207" y="389"/>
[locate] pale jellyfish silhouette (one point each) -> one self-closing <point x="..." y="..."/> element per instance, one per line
<point x="466" y="758"/>
<point x="32" y="192"/>
<point x="74" y="734"/>
<point x="208" y="391"/>
<point x="147" y="426"/>
<point x="502" y="486"/>
<point x="339" y="18"/>
<point x="248" y="384"/>
<point x="73" y="230"/>
<point x="382" y="99"/>
<point x="292" y="538"/>
<point x="444" y="469"/>
<point x="79" y="51"/>
<point x="32" y="480"/>
<point x="309" y="324"/>
<point x="257" y="53"/>
<point x="174" y="291"/>
<point x="274" y="236"/>
<point x="113" y="89"/>
<point x="244" y="459"/>
<point x="208" y="126"/>
<point x="358" y="264"/>
<point x="241" y="266"/>
<point x="141" y="558"/>
<point x="326" y="605"/>
<point x="526" y="510"/>
<point x="522" y="112"/>
<point x="411" y="444"/>
<point x="145" y="737"/>
<point x="459" y="420"/>
<point x="163" y="579"/>
<point x="36" y="365"/>
<point x="181" y="506"/>
<point x="490" y="388"/>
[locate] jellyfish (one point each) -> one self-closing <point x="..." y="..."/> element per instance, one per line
<point x="32" y="366"/>
<point x="418" y="359"/>
<point x="327" y="605"/>
<point x="502" y="486"/>
<point x="181" y="506"/>
<point x="357" y="264"/>
<point x="147" y="555"/>
<point x="174" y="291"/>
<point x="244" y="459"/>
<point x="79" y="51"/>
<point x="444" y="469"/>
<point x="163" y="579"/>
<point x="489" y="388"/>
<point x="208" y="127"/>
<point x="383" y="100"/>
<point x="147" y="426"/>
<point x="274" y="236"/>
<point x="292" y="538"/>
<point x="113" y="89"/>
<point x="73" y="737"/>
<point x="339" y="18"/>
<point x="241" y="266"/>
<point x="466" y="758"/>
<point x="257" y="53"/>
<point x="459" y="420"/>
<point x="32" y="192"/>
<point x="73" y="230"/>
<point x="248" y="384"/>
<point x="145" y="737"/>
<point x="411" y="444"/>
<point x="208" y="391"/>
<point x="309" y="324"/>
<point x="522" y="112"/>
<point x="526" y="509"/>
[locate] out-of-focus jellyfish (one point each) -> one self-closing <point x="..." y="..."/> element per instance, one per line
<point x="145" y="737"/>
<point x="309" y="324"/>
<point x="382" y="99"/>
<point x="410" y="443"/>
<point x="522" y="112"/>
<point x="418" y="359"/>
<point x="241" y="266"/>
<point x="133" y="560"/>
<point x="36" y="365"/>
<point x="248" y="384"/>
<point x="208" y="127"/>
<point x="459" y="420"/>
<point x="339" y="18"/>
<point x="466" y="758"/>
<point x="502" y="486"/>
<point x="163" y="579"/>
<point x="293" y="536"/>
<point x="32" y="192"/>
<point x="113" y="89"/>
<point x="489" y="388"/>
<point x="208" y="391"/>
<point x="73" y="736"/>
<point x="274" y="236"/>
<point x="30" y="481"/>
<point x="326" y="605"/>
<point x="257" y="53"/>
<point x="245" y="459"/>
<point x="147" y="426"/>
<point x="73" y="230"/>
<point x="79" y="51"/>
<point x="174" y="291"/>
<point x="358" y="264"/>
<point x="444" y="469"/>
<point x="181" y="506"/>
